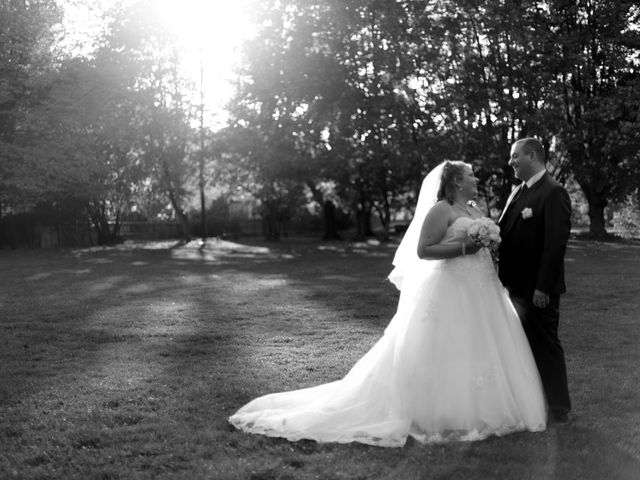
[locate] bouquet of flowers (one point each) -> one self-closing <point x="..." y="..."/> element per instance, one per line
<point x="485" y="232"/>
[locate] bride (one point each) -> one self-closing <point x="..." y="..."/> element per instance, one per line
<point x="453" y="364"/>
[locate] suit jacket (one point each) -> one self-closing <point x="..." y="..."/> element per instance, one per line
<point x="532" y="249"/>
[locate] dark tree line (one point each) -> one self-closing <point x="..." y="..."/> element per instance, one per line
<point x="343" y="105"/>
<point x="370" y="94"/>
<point x="88" y="137"/>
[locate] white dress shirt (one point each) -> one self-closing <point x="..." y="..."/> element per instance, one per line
<point x="536" y="177"/>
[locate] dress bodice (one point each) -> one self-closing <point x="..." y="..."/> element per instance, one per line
<point x="479" y="262"/>
<point x="457" y="229"/>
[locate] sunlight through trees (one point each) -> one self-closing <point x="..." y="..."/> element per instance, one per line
<point x="334" y="112"/>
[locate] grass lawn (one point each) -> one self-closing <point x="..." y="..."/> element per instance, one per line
<point x="125" y="362"/>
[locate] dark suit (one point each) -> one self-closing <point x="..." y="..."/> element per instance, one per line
<point x="532" y="257"/>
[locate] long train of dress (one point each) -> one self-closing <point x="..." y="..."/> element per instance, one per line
<point x="453" y="364"/>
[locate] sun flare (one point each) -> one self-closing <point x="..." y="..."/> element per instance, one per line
<point x="209" y="35"/>
<point x="211" y="32"/>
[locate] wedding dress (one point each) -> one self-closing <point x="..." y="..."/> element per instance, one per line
<point x="453" y="364"/>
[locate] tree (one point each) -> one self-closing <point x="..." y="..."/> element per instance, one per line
<point x="28" y="36"/>
<point x="262" y="161"/>
<point x="335" y="77"/>
<point x="481" y="68"/>
<point x="564" y="71"/>
<point x="148" y="65"/>
<point x="277" y="114"/>
<point x="596" y="85"/>
<point x="100" y="161"/>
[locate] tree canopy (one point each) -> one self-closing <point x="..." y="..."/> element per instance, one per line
<point x="339" y="105"/>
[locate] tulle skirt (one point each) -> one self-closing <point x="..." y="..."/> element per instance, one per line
<point x="453" y="365"/>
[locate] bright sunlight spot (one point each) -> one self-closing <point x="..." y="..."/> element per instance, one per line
<point x="209" y="32"/>
<point x="212" y="32"/>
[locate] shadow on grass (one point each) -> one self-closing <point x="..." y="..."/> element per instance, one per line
<point x="132" y="357"/>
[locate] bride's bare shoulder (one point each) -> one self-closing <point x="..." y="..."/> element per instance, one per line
<point x="442" y="206"/>
<point x="440" y="216"/>
<point x="440" y="213"/>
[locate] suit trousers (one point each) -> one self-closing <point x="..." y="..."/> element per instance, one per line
<point x="541" y="327"/>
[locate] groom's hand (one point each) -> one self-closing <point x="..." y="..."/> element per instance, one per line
<point x="540" y="299"/>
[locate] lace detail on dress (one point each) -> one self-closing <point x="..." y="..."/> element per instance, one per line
<point x="479" y="263"/>
<point x="398" y="440"/>
<point x="472" y="435"/>
<point x="487" y="378"/>
<point x="392" y="441"/>
<point x="458" y="228"/>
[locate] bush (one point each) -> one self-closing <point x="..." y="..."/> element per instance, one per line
<point x="626" y="218"/>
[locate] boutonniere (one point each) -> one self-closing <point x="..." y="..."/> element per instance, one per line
<point x="526" y="213"/>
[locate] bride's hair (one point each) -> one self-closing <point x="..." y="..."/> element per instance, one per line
<point x="452" y="170"/>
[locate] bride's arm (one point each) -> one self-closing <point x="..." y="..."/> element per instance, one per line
<point x="434" y="228"/>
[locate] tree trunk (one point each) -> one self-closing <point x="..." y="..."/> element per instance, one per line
<point x="384" y="214"/>
<point x="98" y="215"/>
<point x="329" y="213"/>
<point x="597" y="228"/>
<point x="1" y="225"/>
<point x="182" y="217"/>
<point x="363" y="222"/>
<point x="597" y="200"/>
<point x="270" y="228"/>
<point x="173" y="198"/>
<point x="115" y="233"/>
<point x="270" y="224"/>
<point x="363" y="215"/>
<point x="330" y="224"/>
<point x="366" y="221"/>
<point x="359" y="222"/>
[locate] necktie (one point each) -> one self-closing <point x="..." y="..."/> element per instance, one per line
<point x="521" y="192"/>
<point x="511" y="208"/>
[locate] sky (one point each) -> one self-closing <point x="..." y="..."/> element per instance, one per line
<point x="209" y="29"/>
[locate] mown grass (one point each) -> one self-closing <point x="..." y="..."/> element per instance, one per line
<point x="125" y="362"/>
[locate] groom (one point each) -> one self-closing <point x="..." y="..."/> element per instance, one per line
<point x="535" y="227"/>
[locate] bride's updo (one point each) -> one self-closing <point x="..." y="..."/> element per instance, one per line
<point x="452" y="170"/>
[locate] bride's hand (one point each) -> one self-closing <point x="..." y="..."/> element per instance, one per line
<point x="470" y="246"/>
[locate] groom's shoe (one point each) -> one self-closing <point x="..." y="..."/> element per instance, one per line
<point x="561" y="418"/>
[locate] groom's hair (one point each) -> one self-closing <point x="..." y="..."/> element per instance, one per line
<point x="530" y="144"/>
